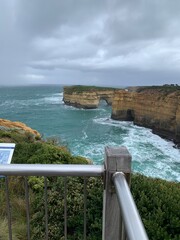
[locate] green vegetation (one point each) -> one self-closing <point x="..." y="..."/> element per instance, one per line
<point x="158" y="203"/>
<point x="80" y="89"/>
<point x="165" y="88"/>
<point x="157" y="200"/>
<point x="29" y="149"/>
<point x="75" y="209"/>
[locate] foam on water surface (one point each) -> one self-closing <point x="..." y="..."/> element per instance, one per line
<point x="87" y="132"/>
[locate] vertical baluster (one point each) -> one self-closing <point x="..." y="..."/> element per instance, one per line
<point x="122" y="228"/>
<point x="27" y="207"/>
<point x="65" y="208"/>
<point x="8" y="208"/>
<point x="85" y="206"/>
<point x="123" y="234"/>
<point x="46" y="207"/>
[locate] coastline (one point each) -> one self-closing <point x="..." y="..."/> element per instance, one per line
<point x="155" y="107"/>
<point x="86" y="132"/>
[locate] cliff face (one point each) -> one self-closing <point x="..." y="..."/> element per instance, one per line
<point x="159" y="110"/>
<point x="87" y="99"/>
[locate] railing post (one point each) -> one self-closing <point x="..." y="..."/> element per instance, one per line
<point x="117" y="159"/>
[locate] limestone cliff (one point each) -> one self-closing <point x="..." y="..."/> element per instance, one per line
<point x="87" y="97"/>
<point x="155" y="108"/>
<point x="18" y="126"/>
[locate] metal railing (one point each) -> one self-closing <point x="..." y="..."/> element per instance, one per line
<point x="132" y="221"/>
<point x="119" y="209"/>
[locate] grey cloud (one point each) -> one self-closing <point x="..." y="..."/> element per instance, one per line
<point x="139" y="20"/>
<point x="39" y="17"/>
<point x="117" y="77"/>
<point x="115" y="41"/>
<point x="12" y="47"/>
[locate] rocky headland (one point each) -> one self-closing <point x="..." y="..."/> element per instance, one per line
<point x="7" y="125"/>
<point x="87" y="97"/>
<point x="156" y="107"/>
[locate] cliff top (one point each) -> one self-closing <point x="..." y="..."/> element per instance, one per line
<point x="80" y="88"/>
<point x="162" y="89"/>
<point x="7" y="124"/>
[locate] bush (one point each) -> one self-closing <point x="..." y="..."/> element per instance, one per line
<point x="44" y="153"/>
<point x="157" y="200"/>
<point x="158" y="204"/>
<point x="75" y="209"/>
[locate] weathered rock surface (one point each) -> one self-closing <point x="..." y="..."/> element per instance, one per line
<point x="18" y="125"/>
<point x="152" y="108"/>
<point x="87" y="98"/>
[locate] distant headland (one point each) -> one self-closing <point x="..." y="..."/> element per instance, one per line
<point x="155" y="107"/>
<point x="87" y="97"/>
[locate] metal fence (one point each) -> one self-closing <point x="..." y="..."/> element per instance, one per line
<point x="120" y="216"/>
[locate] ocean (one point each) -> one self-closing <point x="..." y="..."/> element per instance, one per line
<point x="87" y="132"/>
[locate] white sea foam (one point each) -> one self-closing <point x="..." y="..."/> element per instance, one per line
<point x="82" y="109"/>
<point x="54" y="99"/>
<point x="91" y="151"/>
<point x="84" y="135"/>
<point x="155" y="156"/>
<point x="151" y="155"/>
<point x="137" y="135"/>
<point x="48" y="99"/>
<point x="110" y="122"/>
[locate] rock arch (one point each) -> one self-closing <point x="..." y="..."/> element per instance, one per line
<point x="106" y="99"/>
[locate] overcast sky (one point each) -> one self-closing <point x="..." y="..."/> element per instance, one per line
<point x="99" y="42"/>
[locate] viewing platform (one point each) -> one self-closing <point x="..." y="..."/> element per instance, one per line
<point x="121" y="219"/>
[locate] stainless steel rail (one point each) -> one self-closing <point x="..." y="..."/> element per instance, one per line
<point x="117" y="160"/>
<point x="57" y="170"/>
<point x="78" y="170"/>
<point x="8" y="206"/>
<point x="132" y="221"/>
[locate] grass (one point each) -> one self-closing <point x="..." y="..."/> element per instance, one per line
<point x="18" y="210"/>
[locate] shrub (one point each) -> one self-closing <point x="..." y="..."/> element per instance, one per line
<point x="157" y="200"/>
<point x="158" y="204"/>
<point x="75" y="209"/>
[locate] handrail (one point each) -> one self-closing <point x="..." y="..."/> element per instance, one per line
<point x="117" y="161"/>
<point x="133" y="224"/>
<point x="76" y="170"/>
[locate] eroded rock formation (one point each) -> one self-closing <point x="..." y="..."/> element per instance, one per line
<point x="153" y="108"/>
<point x="87" y="97"/>
<point x="157" y="108"/>
<point x="17" y="126"/>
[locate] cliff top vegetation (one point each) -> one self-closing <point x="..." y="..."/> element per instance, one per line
<point x="163" y="89"/>
<point x="81" y="88"/>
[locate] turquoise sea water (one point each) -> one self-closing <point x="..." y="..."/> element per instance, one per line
<point x="87" y="132"/>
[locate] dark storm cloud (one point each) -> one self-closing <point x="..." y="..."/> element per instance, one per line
<point x="39" y="17"/>
<point x="12" y="45"/>
<point x="90" y="41"/>
<point x="141" y="20"/>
